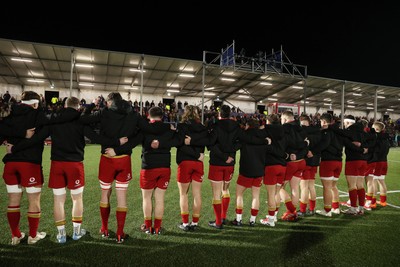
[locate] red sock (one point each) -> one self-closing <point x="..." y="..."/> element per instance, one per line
<point x="104" y="213"/>
<point x="303" y="206"/>
<point x="14" y="216"/>
<point x="33" y="220"/>
<point x="185" y="217"/>
<point x="271" y="212"/>
<point x="327" y="208"/>
<point x="148" y="222"/>
<point x="361" y="197"/>
<point x="383" y="198"/>
<point x="254" y="212"/>
<point x="373" y="201"/>
<point x="121" y="216"/>
<point x="239" y="210"/>
<point x="368" y="196"/>
<point x="335" y="204"/>
<point x="289" y="206"/>
<point x="217" y="211"/>
<point x="157" y="223"/>
<point x="195" y="218"/>
<point x="312" y="204"/>
<point x="225" y="205"/>
<point x="353" y="197"/>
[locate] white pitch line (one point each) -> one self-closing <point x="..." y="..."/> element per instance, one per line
<point x="392" y="191"/>
<point x="394" y="161"/>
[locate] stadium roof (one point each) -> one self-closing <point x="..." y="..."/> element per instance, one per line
<point x="249" y="79"/>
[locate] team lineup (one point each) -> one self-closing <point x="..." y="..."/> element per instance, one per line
<point x="284" y="155"/>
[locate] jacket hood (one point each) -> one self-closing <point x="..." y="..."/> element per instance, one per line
<point x="21" y="109"/>
<point x="121" y="106"/>
<point x="195" y="126"/>
<point x="358" y="127"/>
<point x="275" y="131"/>
<point x="228" y="124"/>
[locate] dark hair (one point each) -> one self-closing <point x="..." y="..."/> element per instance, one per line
<point x="114" y="96"/>
<point x="305" y="118"/>
<point x="254" y="123"/>
<point x="225" y="111"/>
<point x="156" y="112"/>
<point x="351" y="117"/>
<point x="30" y="95"/>
<point x="273" y="118"/>
<point x="326" y="117"/>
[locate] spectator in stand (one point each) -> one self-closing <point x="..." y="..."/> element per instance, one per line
<point x="6" y="97"/>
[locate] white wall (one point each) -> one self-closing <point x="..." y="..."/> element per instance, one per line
<point x="14" y="90"/>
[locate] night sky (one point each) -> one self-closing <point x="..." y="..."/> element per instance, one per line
<point x="347" y="41"/>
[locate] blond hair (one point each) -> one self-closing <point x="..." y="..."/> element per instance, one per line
<point x="190" y="113"/>
<point x="379" y="125"/>
<point x="72" y="102"/>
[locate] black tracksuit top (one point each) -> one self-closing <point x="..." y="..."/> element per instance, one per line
<point x="68" y="142"/>
<point x="25" y="117"/>
<point x="190" y="152"/>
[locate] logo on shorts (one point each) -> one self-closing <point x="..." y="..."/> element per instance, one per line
<point x="32" y="180"/>
<point x="165" y="184"/>
<point x="77" y="182"/>
<point x="128" y="177"/>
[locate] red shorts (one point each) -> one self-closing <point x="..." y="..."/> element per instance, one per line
<point x="157" y="177"/>
<point x="23" y="173"/>
<point x="295" y="168"/>
<point x="274" y="174"/>
<point x="381" y="168"/>
<point x="249" y="182"/>
<point x="355" y="168"/>
<point x="66" y="174"/>
<point x="190" y="170"/>
<point x="370" y="169"/>
<point x="220" y="173"/>
<point x="330" y="168"/>
<point x="116" y="168"/>
<point x="309" y="173"/>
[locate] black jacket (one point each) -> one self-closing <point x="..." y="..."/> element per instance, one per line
<point x="25" y="117"/>
<point x="115" y="122"/>
<point x="330" y="147"/>
<point x="197" y="131"/>
<point x="226" y="137"/>
<point x="314" y="136"/>
<point x="382" y="147"/>
<point x="160" y="157"/>
<point x="68" y="142"/>
<point x="252" y="157"/>
<point x="353" y="133"/>
<point x="277" y="154"/>
<point x="296" y="143"/>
